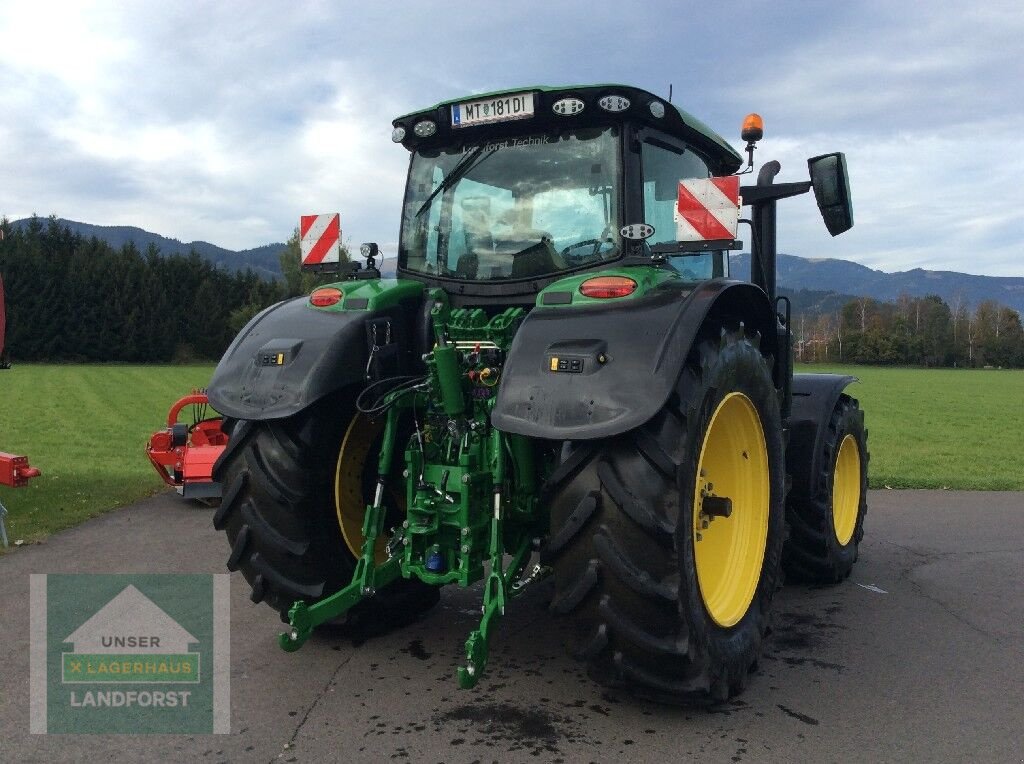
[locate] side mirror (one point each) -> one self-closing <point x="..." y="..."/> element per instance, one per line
<point x="832" y="191"/>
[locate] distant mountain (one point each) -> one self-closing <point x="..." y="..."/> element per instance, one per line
<point x="812" y="302"/>
<point x="262" y="260"/>
<point x="814" y="285"/>
<point x="846" y="278"/>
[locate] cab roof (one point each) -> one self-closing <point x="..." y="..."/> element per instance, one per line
<point x="675" y="121"/>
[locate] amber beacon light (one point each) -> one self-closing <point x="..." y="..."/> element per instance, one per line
<point x="753" y="128"/>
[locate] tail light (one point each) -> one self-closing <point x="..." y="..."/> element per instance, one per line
<point x="325" y="297"/>
<point x="608" y="286"/>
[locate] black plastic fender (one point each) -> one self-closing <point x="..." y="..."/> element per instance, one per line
<point x="290" y="355"/>
<point x="628" y="354"/>
<point x="814" y="397"/>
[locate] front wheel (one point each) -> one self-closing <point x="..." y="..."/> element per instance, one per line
<point x="666" y="541"/>
<point x="826" y="529"/>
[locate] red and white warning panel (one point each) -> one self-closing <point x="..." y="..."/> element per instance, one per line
<point x="708" y="209"/>
<point x="319" y="237"/>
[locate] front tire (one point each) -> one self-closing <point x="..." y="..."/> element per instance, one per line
<point x="655" y="611"/>
<point x="826" y="529"/>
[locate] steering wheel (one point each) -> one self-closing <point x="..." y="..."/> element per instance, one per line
<point x="594" y="253"/>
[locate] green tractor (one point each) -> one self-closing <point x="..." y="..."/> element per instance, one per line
<point x="562" y="380"/>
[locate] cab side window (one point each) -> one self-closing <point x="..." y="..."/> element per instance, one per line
<point x="663" y="168"/>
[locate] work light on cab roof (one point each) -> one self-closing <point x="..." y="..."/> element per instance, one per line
<point x="425" y="128"/>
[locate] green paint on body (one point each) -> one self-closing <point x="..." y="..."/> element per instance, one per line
<point x="471" y="490"/>
<point x="647" y="278"/>
<point x="371" y="294"/>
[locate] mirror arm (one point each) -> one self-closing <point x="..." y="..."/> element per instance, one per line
<point x="759" y="194"/>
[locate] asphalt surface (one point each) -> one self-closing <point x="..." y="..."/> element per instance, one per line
<point x="919" y="656"/>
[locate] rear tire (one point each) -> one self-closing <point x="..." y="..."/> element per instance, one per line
<point x="623" y="542"/>
<point x="278" y="510"/>
<point x="826" y="530"/>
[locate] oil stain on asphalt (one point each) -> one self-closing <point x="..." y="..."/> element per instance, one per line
<point x="534" y="731"/>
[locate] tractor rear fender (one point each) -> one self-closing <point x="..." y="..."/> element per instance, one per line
<point x="581" y="372"/>
<point x="292" y="355"/>
<point x="814" y="398"/>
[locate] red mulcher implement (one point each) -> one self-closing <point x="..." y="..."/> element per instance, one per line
<point x="15" y="471"/>
<point x="183" y="454"/>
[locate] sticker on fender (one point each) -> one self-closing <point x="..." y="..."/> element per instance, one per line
<point x="571" y="365"/>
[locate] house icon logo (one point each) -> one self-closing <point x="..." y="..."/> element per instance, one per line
<point x="129" y="653"/>
<point x="130" y="640"/>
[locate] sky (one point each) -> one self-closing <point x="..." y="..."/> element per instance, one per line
<point x="225" y="121"/>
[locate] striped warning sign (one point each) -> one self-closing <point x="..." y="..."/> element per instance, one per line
<point x="708" y="208"/>
<point x="318" y="238"/>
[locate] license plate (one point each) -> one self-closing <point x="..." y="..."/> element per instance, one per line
<point x="498" y="109"/>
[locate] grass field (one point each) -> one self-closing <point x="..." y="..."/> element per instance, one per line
<point x="86" y="428"/>
<point x="942" y="428"/>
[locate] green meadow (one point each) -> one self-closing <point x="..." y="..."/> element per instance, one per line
<point x="941" y="428"/>
<point x="86" y="428"/>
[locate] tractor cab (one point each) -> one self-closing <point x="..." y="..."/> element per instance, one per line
<point x="509" y="192"/>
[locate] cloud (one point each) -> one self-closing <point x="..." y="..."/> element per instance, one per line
<point x="897" y="66"/>
<point x="919" y="202"/>
<point x="226" y="121"/>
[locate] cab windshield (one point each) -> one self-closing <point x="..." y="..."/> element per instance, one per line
<point x="513" y="208"/>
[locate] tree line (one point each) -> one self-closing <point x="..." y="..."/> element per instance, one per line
<point x="913" y="331"/>
<point x="71" y="298"/>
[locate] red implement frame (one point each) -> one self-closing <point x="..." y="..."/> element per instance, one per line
<point x="14" y="470"/>
<point x="14" y="473"/>
<point x="184" y="455"/>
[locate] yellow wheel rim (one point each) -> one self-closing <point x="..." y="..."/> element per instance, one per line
<point x="733" y="480"/>
<point x="846" y="490"/>
<point x="349" y="500"/>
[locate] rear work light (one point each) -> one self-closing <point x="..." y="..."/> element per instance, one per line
<point x="567" y="107"/>
<point x="325" y="297"/>
<point x="608" y="286"/>
<point x="613" y="103"/>
<point x="425" y="129"/>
